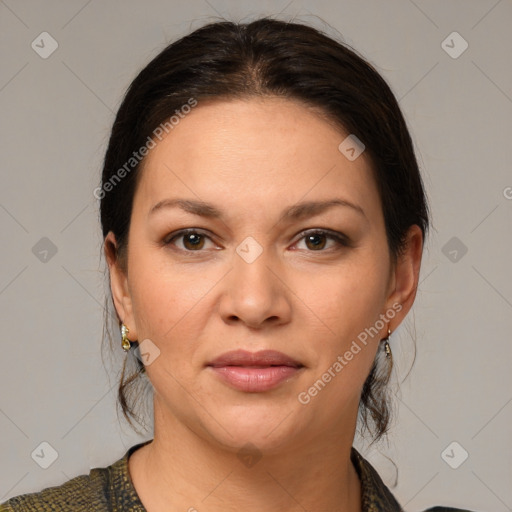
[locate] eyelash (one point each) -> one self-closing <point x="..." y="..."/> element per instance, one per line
<point x="339" y="238"/>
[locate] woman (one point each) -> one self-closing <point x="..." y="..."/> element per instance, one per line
<point x="263" y="218"/>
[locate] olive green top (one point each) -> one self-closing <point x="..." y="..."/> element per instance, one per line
<point x="110" y="489"/>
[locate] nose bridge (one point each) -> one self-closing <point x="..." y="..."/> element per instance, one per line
<point x="254" y="292"/>
<point x="251" y="274"/>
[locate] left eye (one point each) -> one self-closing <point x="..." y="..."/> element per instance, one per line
<point x="316" y="240"/>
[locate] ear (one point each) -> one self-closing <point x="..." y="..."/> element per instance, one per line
<point x="119" y="285"/>
<point x="405" y="275"/>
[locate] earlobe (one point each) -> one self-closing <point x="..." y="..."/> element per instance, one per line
<point x="406" y="273"/>
<point x="119" y="285"/>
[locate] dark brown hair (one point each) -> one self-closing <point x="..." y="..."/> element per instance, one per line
<point x="267" y="57"/>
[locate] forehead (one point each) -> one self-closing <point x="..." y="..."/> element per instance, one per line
<point x="268" y="151"/>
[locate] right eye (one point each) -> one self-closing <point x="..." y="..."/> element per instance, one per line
<point x="192" y="240"/>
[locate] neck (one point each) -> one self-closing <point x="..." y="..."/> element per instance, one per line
<point x="180" y="470"/>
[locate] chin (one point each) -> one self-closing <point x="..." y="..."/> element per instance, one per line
<point x="266" y="426"/>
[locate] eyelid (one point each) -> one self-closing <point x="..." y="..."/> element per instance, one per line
<point x="182" y="232"/>
<point x="340" y="238"/>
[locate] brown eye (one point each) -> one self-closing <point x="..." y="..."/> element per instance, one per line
<point x="317" y="240"/>
<point x="192" y="240"/>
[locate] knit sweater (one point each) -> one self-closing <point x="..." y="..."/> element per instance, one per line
<point x="110" y="489"/>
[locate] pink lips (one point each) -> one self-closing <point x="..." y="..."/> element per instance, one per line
<point x="254" y="371"/>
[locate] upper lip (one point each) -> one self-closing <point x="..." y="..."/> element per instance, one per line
<point x="260" y="358"/>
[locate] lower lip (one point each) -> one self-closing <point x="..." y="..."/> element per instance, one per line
<point x="254" y="380"/>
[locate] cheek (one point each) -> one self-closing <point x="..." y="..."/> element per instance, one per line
<point x="348" y="303"/>
<point x="169" y="301"/>
<point x="343" y="353"/>
<point x="349" y="297"/>
<point x="161" y="300"/>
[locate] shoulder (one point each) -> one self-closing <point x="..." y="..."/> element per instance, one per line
<point x="375" y="495"/>
<point x="82" y="493"/>
<point x="102" y="490"/>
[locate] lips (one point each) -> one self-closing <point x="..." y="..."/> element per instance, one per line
<point x="263" y="358"/>
<point x="254" y="371"/>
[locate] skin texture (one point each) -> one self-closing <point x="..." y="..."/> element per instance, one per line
<point x="252" y="159"/>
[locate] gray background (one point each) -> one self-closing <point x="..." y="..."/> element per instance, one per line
<point x="56" y="117"/>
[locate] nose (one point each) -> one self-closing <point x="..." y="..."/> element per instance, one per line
<point x="255" y="293"/>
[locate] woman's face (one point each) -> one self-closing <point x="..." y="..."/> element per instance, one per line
<point x="254" y="181"/>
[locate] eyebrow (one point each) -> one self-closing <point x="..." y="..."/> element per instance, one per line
<point x="295" y="212"/>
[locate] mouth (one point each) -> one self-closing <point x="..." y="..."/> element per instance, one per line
<point x="254" y="372"/>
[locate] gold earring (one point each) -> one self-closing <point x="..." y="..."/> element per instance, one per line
<point x="387" y="348"/>
<point x="126" y="344"/>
